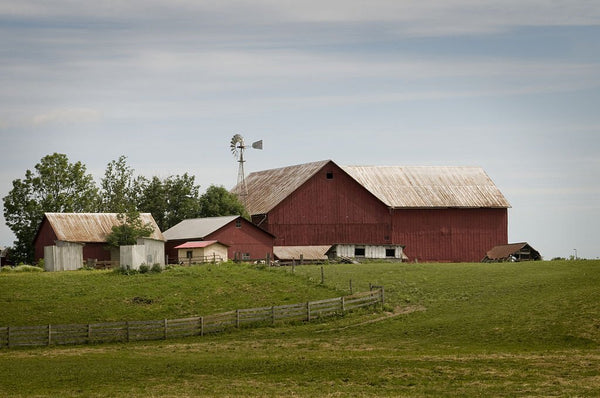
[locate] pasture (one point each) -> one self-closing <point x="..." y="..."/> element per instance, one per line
<point x="518" y="329"/>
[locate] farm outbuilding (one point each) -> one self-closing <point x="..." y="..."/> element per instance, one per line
<point x="244" y="240"/>
<point x="203" y="251"/>
<point x="512" y="252"/>
<point x="87" y="229"/>
<point x="302" y="253"/>
<point x="436" y="213"/>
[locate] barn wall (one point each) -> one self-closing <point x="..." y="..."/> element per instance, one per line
<point x="330" y="210"/>
<point x="452" y="235"/>
<point x="64" y="256"/>
<point x="45" y="237"/>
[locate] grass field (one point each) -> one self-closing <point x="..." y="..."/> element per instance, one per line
<point x="528" y="329"/>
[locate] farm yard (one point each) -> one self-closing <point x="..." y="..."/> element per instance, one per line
<point x="507" y="329"/>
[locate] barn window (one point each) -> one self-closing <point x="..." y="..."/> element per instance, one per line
<point x="188" y="254"/>
<point x="359" y="251"/>
<point x="246" y="256"/>
<point x="238" y="223"/>
<point x="329" y="175"/>
<point x="390" y="252"/>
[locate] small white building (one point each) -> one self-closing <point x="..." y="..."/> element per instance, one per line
<point x="390" y="252"/>
<point x="204" y="251"/>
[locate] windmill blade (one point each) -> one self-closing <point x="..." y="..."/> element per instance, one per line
<point x="237" y="143"/>
<point x="257" y="145"/>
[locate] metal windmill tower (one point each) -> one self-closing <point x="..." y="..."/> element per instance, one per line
<point x="237" y="149"/>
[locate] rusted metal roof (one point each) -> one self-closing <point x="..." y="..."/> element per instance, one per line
<point x="307" y="252"/>
<point x="92" y="227"/>
<point x="429" y="186"/>
<point x="395" y="186"/>
<point x="266" y="189"/>
<point x="505" y="251"/>
<point x="198" y="244"/>
<point x="197" y="228"/>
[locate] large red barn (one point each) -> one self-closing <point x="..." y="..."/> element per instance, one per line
<point x="438" y="213"/>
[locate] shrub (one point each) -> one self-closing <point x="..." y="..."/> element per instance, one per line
<point x="6" y="268"/>
<point x="144" y="268"/>
<point x="156" y="268"/>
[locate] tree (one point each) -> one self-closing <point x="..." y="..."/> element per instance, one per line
<point x="169" y="201"/>
<point x="56" y="185"/>
<point x="118" y="195"/>
<point x="130" y="229"/>
<point x="217" y="201"/>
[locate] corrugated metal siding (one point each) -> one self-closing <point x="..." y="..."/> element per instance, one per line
<point x="422" y="187"/>
<point x="307" y="252"/>
<point x="91" y="227"/>
<point x="195" y="228"/>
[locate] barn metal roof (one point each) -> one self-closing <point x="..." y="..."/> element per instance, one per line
<point x="307" y="252"/>
<point x="395" y="186"/>
<point x="504" y="251"/>
<point x="429" y="186"/>
<point x="92" y="227"/>
<point x="195" y="228"/>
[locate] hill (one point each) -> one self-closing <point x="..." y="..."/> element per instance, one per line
<point x="515" y="329"/>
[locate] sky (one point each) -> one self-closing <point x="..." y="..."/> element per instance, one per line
<point x="512" y="86"/>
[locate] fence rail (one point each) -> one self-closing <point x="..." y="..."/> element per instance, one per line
<point x="126" y="331"/>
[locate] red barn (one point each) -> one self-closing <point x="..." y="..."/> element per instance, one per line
<point x="244" y="239"/>
<point x="88" y="228"/>
<point x="438" y="213"/>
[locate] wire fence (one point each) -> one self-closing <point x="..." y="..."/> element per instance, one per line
<point x="127" y="331"/>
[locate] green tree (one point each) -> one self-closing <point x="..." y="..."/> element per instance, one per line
<point x="55" y="185"/>
<point x="118" y="189"/>
<point x="218" y="201"/>
<point x="130" y="229"/>
<point x="171" y="200"/>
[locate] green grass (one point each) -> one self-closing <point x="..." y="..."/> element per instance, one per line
<point x="529" y="329"/>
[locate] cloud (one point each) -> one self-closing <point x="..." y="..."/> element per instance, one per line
<point x="67" y="116"/>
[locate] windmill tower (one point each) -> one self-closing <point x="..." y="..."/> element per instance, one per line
<point x="237" y="149"/>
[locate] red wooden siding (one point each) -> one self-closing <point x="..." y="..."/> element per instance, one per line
<point x="451" y="235"/>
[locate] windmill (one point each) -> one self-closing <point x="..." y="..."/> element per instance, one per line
<point x="237" y="149"/>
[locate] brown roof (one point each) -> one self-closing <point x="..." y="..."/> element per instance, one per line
<point x="505" y="251"/>
<point x="92" y="227"/>
<point x="395" y="186"/>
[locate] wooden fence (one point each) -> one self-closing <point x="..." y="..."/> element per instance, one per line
<point x="22" y="336"/>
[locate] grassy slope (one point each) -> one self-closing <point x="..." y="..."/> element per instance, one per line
<point x="487" y="330"/>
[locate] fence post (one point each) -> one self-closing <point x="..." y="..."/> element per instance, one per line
<point x="273" y="315"/>
<point x="322" y="276"/>
<point x="49" y="334"/>
<point x="237" y="319"/>
<point x="8" y="336"/>
<point x="308" y="311"/>
<point x="350" y="286"/>
<point x="165" y="330"/>
<point x="201" y="326"/>
<point x="89" y="333"/>
<point x="127" y="325"/>
<point x="382" y="289"/>
<point x="343" y="304"/>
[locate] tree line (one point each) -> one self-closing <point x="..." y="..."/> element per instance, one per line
<point x="57" y="185"/>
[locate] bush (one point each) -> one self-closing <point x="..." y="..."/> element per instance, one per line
<point x="156" y="268"/>
<point x="144" y="269"/>
<point x="125" y="270"/>
<point x="6" y="268"/>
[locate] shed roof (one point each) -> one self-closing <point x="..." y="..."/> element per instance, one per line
<point x="395" y="186"/>
<point x="198" y="244"/>
<point x="92" y="227"/>
<point x="195" y="228"/>
<point x="504" y="251"/>
<point x="307" y="252"/>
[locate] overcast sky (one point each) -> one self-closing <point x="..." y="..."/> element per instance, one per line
<point x="512" y="86"/>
